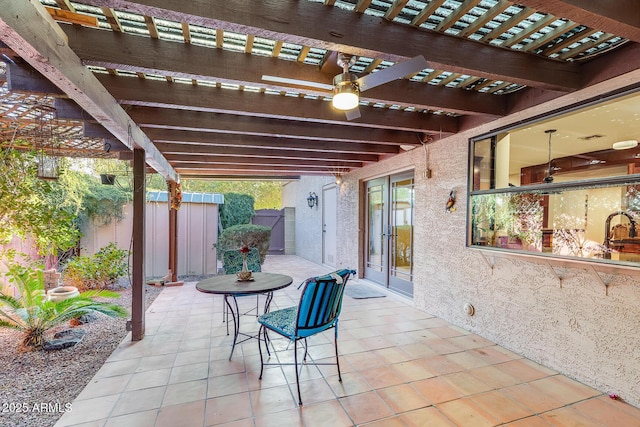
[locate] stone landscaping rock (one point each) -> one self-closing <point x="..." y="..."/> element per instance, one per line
<point x="64" y="339"/>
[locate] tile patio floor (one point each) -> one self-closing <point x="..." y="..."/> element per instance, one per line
<point x="400" y="367"/>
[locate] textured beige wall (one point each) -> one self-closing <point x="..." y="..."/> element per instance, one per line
<point x="572" y="325"/>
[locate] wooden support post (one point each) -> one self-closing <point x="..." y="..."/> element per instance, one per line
<point x="139" y="204"/>
<point x="173" y="236"/>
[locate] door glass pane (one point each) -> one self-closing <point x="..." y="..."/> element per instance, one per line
<point x="376" y="226"/>
<point x="402" y="229"/>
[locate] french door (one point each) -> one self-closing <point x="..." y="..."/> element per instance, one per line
<point x="389" y="236"/>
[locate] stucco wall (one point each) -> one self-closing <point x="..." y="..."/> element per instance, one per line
<point x="573" y="325"/>
<point x="308" y="221"/>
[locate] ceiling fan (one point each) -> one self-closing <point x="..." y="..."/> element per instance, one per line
<point x="347" y="86"/>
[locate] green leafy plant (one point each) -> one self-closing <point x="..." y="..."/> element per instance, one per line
<point x="31" y="313"/>
<point x="237" y="209"/>
<point x="251" y="235"/>
<point x="98" y="271"/>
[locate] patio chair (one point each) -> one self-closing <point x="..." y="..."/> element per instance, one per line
<point x="318" y="311"/>
<point x="232" y="263"/>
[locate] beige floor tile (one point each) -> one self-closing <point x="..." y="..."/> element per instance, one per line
<point x="470" y="341"/>
<point x="382" y="377"/>
<point x="501" y="407"/>
<point x="609" y="412"/>
<point x="192" y="372"/>
<point x="446" y="332"/>
<point x="98" y="387"/>
<point x="469" y="359"/>
<point x="525" y="370"/>
<point x="437" y="390"/>
<point x="412" y="370"/>
<point x="441" y="365"/>
<point x="138" y="419"/>
<point x="246" y="422"/>
<point x="352" y="383"/>
<point x="87" y="410"/>
<point x="366" y="407"/>
<point x="313" y="391"/>
<point x="325" y="414"/>
<point x="192" y="356"/>
<point x="152" y="363"/>
<point x="568" y="417"/>
<point x="183" y="415"/>
<point x="274" y="399"/>
<point x="226" y="385"/>
<point x="288" y="418"/>
<point x="387" y="422"/>
<point x="441" y="346"/>
<point x="117" y="368"/>
<point x="139" y="400"/>
<point x="426" y="417"/>
<point x="225" y="367"/>
<point x="375" y="343"/>
<point x="534" y="421"/>
<point x="365" y="360"/>
<point x="149" y="379"/>
<point x="190" y="391"/>
<point x="494" y="377"/>
<point x="392" y="355"/>
<point x="532" y="398"/>
<point x="271" y="377"/>
<point x="464" y="412"/>
<point x="565" y="390"/>
<point x="466" y="383"/>
<point x="402" y="398"/>
<point x="227" y="408"/>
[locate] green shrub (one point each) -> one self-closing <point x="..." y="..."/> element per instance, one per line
<point x="31" y="312"/>
<point x="252" y="235"/>
<point x="237" y="209"/>
<point x="98" y="271"/>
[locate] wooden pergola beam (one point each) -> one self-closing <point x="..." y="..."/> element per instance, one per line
<point x="270" y="142"/>
<point x="315" y="25"/>
<point x="155" y="93"/>
<point x="224" y="159"/>
<point x="170" y="148"/>
<point x="158" y="57"/>
<point x="164" y="118"/>
<point x="620" y="17"/>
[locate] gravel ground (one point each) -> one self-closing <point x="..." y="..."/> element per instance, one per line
<point x="36" y="388"/>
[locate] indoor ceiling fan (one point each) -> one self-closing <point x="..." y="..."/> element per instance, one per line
<point x="347" y="86"/>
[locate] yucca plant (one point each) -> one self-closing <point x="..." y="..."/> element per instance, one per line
<point x="31" y="313"/>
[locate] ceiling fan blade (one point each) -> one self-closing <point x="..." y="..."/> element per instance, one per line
<point x="352" y="114"/>
<point x="394" y="72"/>
<point x="296" y="82"/>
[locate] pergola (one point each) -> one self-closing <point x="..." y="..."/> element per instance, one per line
<point x="188" y="87"/>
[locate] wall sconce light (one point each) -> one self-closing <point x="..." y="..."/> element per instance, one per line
<point x="312" y="200"/>
<point x="338" y="179"/>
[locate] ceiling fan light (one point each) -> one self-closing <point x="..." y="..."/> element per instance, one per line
<point x="345" y="92"/>
<point x="345" y="101"/>
<point x="624" y="145"/>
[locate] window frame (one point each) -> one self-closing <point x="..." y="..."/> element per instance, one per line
<point x="582" y="184"/>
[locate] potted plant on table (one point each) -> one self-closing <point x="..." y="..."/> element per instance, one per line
<point x="244" y="274"/>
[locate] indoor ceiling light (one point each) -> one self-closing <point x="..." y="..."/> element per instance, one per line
<point x="345" y="92"/>
<point x="624" y="145"/>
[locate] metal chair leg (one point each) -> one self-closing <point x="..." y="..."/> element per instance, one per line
<point x="295" y="359"/>
<point x="260" y="350"/>
<point x="337" y="358"/>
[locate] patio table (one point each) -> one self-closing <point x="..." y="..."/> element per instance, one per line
<point x="229" y="286"/>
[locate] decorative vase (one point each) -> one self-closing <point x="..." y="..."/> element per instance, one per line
<point x="244" y="274"/>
